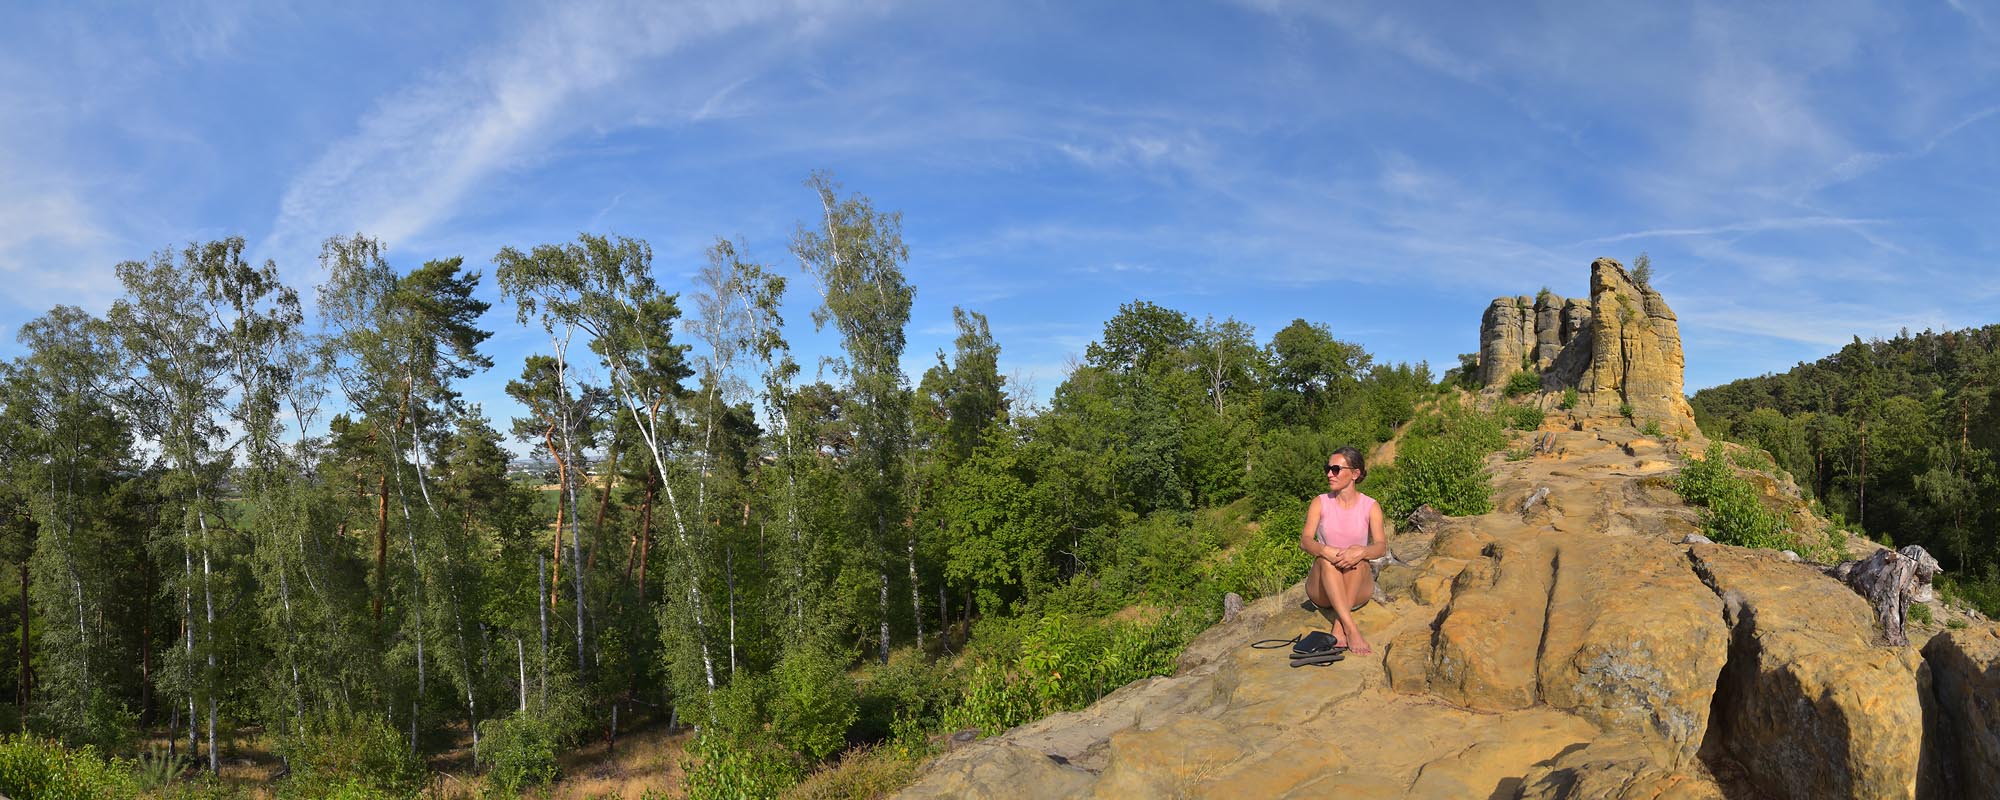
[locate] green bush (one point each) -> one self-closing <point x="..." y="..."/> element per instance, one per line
<point x="518" y="752"/>
<point x="1982" y="592"/>
<point x="1521" y="417"/>
<point x="348" y="748"/>
<point x="1569" y="399"/>
<point x="1731" y="510"/>
<point x="812" y="701"/>
<point x="1265" y="563"/>
<point x="1441" y="463"/>
<point x="723" y="766"/>
<point x="42" y="769"/>
<point x="1065" y="663"/>
<point x="1290" y="463"/>
<point x="905" y="699"/>
<point x="1920" y="613"/>
<point x="1625" y="410"/>
<point x="1523" y="382"/>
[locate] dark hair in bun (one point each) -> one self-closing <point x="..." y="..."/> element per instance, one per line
<point x="1355" y="461"/>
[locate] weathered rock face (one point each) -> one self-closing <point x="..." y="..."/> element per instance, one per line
<point x="1620" y="351"/>
<point x="1807" y="702"/>
<point x="1564" y="648"/>
<point x="1527" y="333"/>
<point x="1619" y="632"/>
<point x="1964" y="736"/>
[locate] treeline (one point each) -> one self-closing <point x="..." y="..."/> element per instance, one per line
<point x="1898" y="437"/>
<point x="225" y="514"/>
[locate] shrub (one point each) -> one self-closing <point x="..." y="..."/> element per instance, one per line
<point x="1569" y="399"/>
<point x="1920" y="613"/>
<point x="1521" y="417"/>
<point x="351" y="748"/>
<point x="1523" y="382"/>
<point x="42" y="769"/>
<point x="812" y="701"/>
<point x="1652" y="428"/>
<point x="1732" y="512"/>
<point x="519" y="752"/>
<point x="1441" y="462"/>
<point x="904" y="699"/>
<point x="1267" y="562"/>
<point x="1065" y="663"/>
<point x="722" y="766"/>
<point x="1625" y="410"/>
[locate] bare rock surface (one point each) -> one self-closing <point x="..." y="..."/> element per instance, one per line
<point x="1807" y="697"/>
<point x="1964" y="736"/>
<point x="1580" y="650"/>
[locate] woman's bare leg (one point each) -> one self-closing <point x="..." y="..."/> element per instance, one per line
<point x="1316" y="587"/>
<point x="1336" y="587"/>
<point x="1346" y="594"/>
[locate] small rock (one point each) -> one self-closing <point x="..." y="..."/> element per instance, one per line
<point x="1696" y="538"/>
<point x="1232" y="604"/>
<point x="1789" y="555"/>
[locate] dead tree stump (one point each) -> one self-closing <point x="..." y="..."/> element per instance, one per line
<point x="1891" y="580"/>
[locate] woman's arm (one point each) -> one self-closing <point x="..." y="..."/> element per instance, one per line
<point x="1306" y="540"/>
<point x="1378" y="534"/>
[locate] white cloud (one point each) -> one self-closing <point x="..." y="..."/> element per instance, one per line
<point x="420" y="152"/>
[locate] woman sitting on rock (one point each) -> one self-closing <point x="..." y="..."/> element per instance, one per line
<point x="1343" y="531"/>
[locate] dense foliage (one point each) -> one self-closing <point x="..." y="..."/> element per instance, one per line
<point x="225" y="517"/>
<point x="1899" y="436"/>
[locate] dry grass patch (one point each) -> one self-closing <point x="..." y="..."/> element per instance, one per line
<point x="646" y="761"/>
<point x="864" y="772"/>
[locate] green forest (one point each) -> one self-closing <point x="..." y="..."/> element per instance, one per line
<point x="237" y="517"/>
<point x="1896" y="438"/>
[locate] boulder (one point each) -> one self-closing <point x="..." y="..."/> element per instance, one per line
<point x="1964" y="733"/>
<point x="1482" y="655"/>
<point x="1634" y="642"/>
<point x="1806" y="700"/>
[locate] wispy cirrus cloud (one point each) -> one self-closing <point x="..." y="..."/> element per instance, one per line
<point x="419" y="153"/>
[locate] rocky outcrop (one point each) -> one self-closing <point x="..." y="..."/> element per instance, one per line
<point x="1528" y="333"/>
<point x="1621" y="351"/>
<point x="1964" y="735"/>
<point x="1571" y="647"/>
<point x="1617" y="631"/>
<point x="1807" y="701"/>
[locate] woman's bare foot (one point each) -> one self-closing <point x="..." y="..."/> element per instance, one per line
<point x="1360" y="646"/>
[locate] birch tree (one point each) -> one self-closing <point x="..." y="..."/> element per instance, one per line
<point x="397" y="345"/>
<point x="856" y="254"/>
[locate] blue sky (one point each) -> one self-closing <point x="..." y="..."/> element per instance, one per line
<point x="1799" y="173"/>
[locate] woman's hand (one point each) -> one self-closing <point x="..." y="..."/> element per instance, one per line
<point x="1346" y="557"/>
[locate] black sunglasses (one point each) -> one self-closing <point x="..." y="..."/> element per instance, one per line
<point x="1334" y="469"/>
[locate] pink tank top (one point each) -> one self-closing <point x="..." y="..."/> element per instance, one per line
<point x="1344" y="527"/>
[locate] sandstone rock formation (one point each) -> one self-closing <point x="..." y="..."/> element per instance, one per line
<point x="1577" y="649"/>
<point x="1620" y="352"/>
<point x="1964" y="735"/>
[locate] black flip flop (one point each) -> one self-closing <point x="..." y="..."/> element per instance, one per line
<point x="1319" y="659"/>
